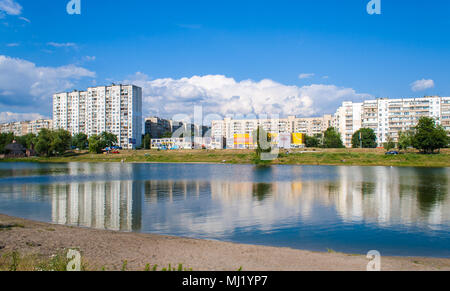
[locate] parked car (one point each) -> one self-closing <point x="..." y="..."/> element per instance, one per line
<point x="392" y="153"/>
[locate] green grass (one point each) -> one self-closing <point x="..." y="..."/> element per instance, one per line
<point x="344" y="157"/>
<point x="14" y="261"/>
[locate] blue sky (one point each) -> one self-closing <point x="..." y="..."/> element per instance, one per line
<point x="299" y="57"/>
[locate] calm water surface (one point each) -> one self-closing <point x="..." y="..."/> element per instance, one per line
<point x="398" y="211"/>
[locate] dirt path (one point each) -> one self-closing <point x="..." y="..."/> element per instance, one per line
<point x="109" y="249"/>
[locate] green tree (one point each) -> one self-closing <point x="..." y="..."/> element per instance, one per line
<point x="405" y="139"/>
<point x="312" y="141"/>
<point x="96" y="144"/>
<point x="43" y="143"/>
<point x="27" y="141"/>
<point x="429" y="137"/>
<point x="262" y="145"/>
<point x="364" y="137"/>
<point x="389" y="144"/>
<point x="109" y="139"/>
<point x="147" y="142"/>
<point x="80" y="141"/>
<point x="5" y="139"/>
<point x="332" y="139"/>
<point x="60" y="141"/>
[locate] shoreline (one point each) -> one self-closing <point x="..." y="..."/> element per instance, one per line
<point x="324" y="157"/>
<point x="109" y="249"/>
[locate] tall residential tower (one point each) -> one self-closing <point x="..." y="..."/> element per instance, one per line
<point x="114" y="109"/>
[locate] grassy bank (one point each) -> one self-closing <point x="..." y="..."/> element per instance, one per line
<point x="347" y="157"/>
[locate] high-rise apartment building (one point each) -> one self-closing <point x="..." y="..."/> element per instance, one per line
<point x="348" y="120"/>
<point x="389" y="117"/>
<point x="116" y="109"/>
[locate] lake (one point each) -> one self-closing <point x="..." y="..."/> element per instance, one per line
<point x="397" y="211"/>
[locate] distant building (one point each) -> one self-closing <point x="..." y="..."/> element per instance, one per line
<point x="172" y="143"/>
<point x="157" y="127"/>
<point x="239" y="133"/>
<point x="389" y="117"/>
<point x="115" y="109"/>
<point x="25" y="127"/>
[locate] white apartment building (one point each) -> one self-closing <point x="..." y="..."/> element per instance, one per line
<point x="389" y="117"/>
<point x="116" y="109"/>
<point x="348" y="120"/>
<point x="228" y="128"/>
<point x="36" y="126"/>
<point x="26" y="127"/>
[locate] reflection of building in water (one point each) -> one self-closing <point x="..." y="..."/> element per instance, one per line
<point x="388" y="195"/>
<point x="157" y="190"/>
<point x="113" y="205"/>
<point x="381" y="195"/>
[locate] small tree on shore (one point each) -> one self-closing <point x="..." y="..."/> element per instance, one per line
<point x="365" y="138"/>
<point x="332" y="139"/>
<point x="5" y="139"/>
<point x="262" y="145"/>
<point x="429" y="136"/>
<point x="96" y="144"/>
<point x="28" y="141"/>
<point x="389" y="144"/>
<point x="109" y="139"/>
<point x="50" y="143"/>
<point x="147" y="142"/>
<point x="80" y="141"/>
<point x="405" y="140"/>
<point x="312" y="141"/>
<point x="43" y="144"/>
<point x="61" y="141"/>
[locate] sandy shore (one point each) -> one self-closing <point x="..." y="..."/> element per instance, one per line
<point x="109" y="249"/>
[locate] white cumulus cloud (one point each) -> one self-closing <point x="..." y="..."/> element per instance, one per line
<point x="23" y="84"/>
<point x="421" y="85"/>
<point x="10" y="7"/>
<point x="225" y="96"/>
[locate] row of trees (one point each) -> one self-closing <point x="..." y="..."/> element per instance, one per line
<point x="56" y="142"/>
<point x="330" y="139"/>
<point x="427" y="136"/>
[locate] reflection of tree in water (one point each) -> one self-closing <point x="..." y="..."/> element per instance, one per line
<point x="367" y="188"/>
<point x="431" y="190"/>
<point x="262" y="190"/>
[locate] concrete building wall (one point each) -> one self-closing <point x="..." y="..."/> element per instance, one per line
<point x="115" y="109"/>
